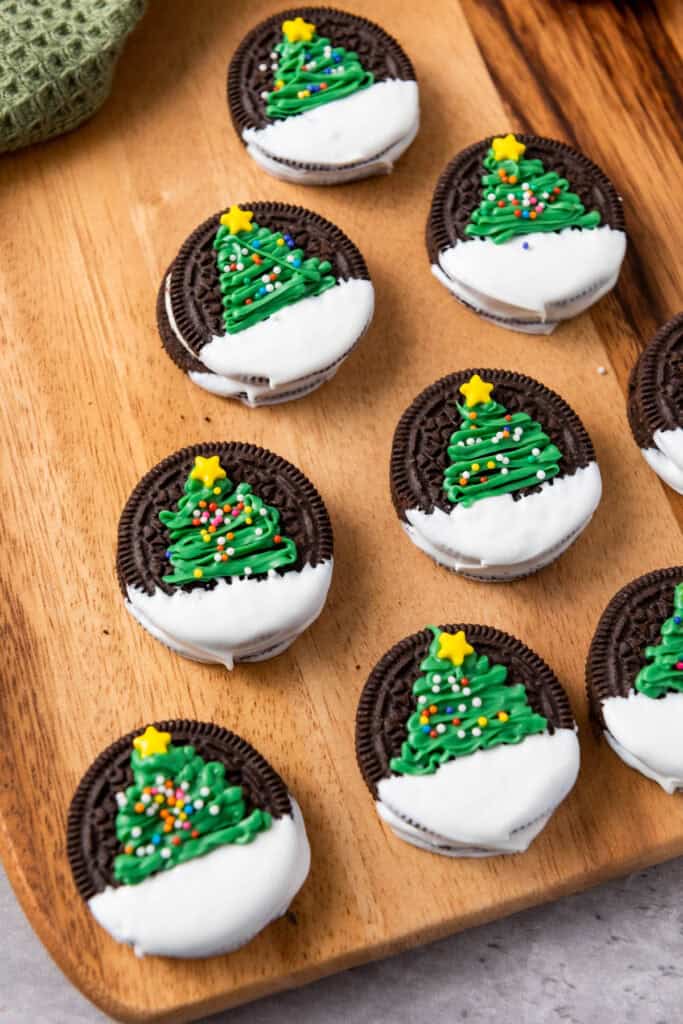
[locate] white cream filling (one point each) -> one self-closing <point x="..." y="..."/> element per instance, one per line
<point x="292" y="345"/>
<point x="494" y="800"/>
<point x="558" y="276"/>
<point x="666" y="458"/>
<point x="235" y="621"/>
<point x="499" y="532"/>
<point x="647" y="734"/>
<point x="212" y="904"/>
<point x="357" y="129"/>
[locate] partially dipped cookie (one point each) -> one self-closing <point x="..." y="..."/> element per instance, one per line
<point x="466" y="741"/>
<point x="184" y="842"/>
<point x="634" y="675"/>
<point x="655" y="403"/>
<point x="320" y="96"/>
<point x="264" y="302"/>
<point x="526" y="231"/>
<point x="492" y="474"/>
<point x="225" y="553"/>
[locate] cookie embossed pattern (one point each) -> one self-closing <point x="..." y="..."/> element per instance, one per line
<point x="320" y="96"/>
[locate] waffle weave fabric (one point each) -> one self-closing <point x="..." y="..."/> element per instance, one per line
<point x="57" y="60"/>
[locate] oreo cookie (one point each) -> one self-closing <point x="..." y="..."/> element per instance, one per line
<point x="184" y="842"/>
<point x="634" y="675"/>
<point x="526" y="231"/>
<point x="655" y="403"/>
<point x="264" y="302"/>
<point x="466" y="741"/>
<point x="319" y="96"/>
<point x="492" y="474"/>
<point x="225" y="553"/>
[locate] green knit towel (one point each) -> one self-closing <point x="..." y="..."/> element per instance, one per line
<point x="57" y="61"/>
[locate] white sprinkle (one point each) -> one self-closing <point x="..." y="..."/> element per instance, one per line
<point x="185" y="786"/>
<point x="271" y="574"/>
<point x="540" y="475"/>
<point x="263" y="512"/>
<point x="461" y="734"/>
<point x="140" y="852"/>
<point x="470" y="440"/>
<point x="436" y="677"/>
<point x="491" y="196"/>
<point x="217" y="558"/>
<point x="602" y="371"/>
<point x="240" y="266"/>
<point x="503" y="472"/>
<point x="263" y="67"/>
<point x="422" y="699"/>
<point x="441" y="728"/>
<point x="462" y="707"/>
<point x="247" y="570"/>
<point x="466" y="475"/>
<point x="476" y="731"/>
<point x="199" y="803"/>
<point x="451" y="679"/>
<point x="204" y="791"/>
<point x="122" y="800"/>
<point x="476" y="702"/>
<point x="278" y="285"/>
<point x="214" y="809"/>
<point x="151" y="811"/>
<point x="220" y="541"/>
<point x="165" y="853"/>
<point x="264" y="95"/>
<point x="258" y="531"/>
<point x="230" y="551"/>
<point x="535" y="451"/>
<point x="466" y="691"/>
<point x="244" y="252"/>
<point x="136" y="831"/>
<point x="269" y="287"/>
<point x="455" y="688"/>
<point x="150" y="849"/>
<point x="436" y="689"/>
<point x="160" y="780"/>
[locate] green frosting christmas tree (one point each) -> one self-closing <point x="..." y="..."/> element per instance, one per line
<point x="664" y="673"/>
<point x="260" y="271"/>
<point x="179" y="807"/>
<point x="519" y="197"/>
<point x="462" y="705"/>
<point x="310" y="71"/>
<point x="494" y="451"/>
<point x="220" y="530"/>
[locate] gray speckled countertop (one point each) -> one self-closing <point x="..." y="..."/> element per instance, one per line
<point x="611" y="954"/>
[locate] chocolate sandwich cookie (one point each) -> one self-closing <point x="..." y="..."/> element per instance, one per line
<point x="264" y="302"/>
<point x="184" y="842"/>
<point x="466" y="741"/>
<point x="634" y="675"/>
<point x="655" y="403"/>
<point x="225" y="553"/>
<point x="320" y="96"/>
<point x="492" y="474"/>
<point x="525" y="231"/>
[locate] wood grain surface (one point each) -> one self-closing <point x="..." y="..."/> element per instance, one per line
<point x="90" y="402"/>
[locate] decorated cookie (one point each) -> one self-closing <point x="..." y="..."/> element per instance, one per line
<point x="319" y="96"/>
<point x="225" y="553"/>
<point x="634" y="676"/>
<point x="264" y="302"/>
<point x="655" y="403"/>
<point x="525" y="231"/>
<point x="184" y="842"/>
<point x="492" y="474"/>
<point x="466" y="741"/>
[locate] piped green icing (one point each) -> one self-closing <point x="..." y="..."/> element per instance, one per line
<point x="496" y="452"/>
<point x="311" y="73"/>
<point x="176" y="783"/>
<point x="664" y="673"/>
<point x="508" y="209"/>
<point x="462" y="708"/>
<point x="221" y="530"/>
<point x="261" y="271"/>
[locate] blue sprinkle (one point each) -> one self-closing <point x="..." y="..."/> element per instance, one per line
<point x="336" y="58"/>
<point x="188" y="808"/>
<point x="449" y="711"/>
<point x="156" y="840"/>
<point x="678" y="619"/>
<point x="168" y="552"/>
<point x="262" y="290"/>
<point x="525" y="213"/>
<point x="256" y="244"/>
<point x="296" y="263"/>
<point x="315" y="88"/>
<point x="426" y="728"/>
<point x="290" y="243"/>
<point x="525" y="245"/>
<point x="327" y="71"/>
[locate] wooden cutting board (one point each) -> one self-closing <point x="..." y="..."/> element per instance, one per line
<point x="90" y="402"/>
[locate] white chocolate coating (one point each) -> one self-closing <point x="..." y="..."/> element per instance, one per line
<point x="246" y="620"/>
<point x="293" y="351"/>
<point x="558" y="276"/>
<point x="348" y="138"/>
<point x="537" y="527"/>
<point x="647" y="734"/>
<point x="492" y="801"/>
<point x="666" y="458"/>
<point x="212" y="904"/>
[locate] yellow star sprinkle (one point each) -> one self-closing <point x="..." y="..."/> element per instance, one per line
<point x="454" y="647"/>
<point x="298" y="30"/>
<point x="207" y="470"/>
<point x="152" y="742"/>
<point x="236" y="220"/>
<point x="476" y="391"/>
<point x="508" y="148"/>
